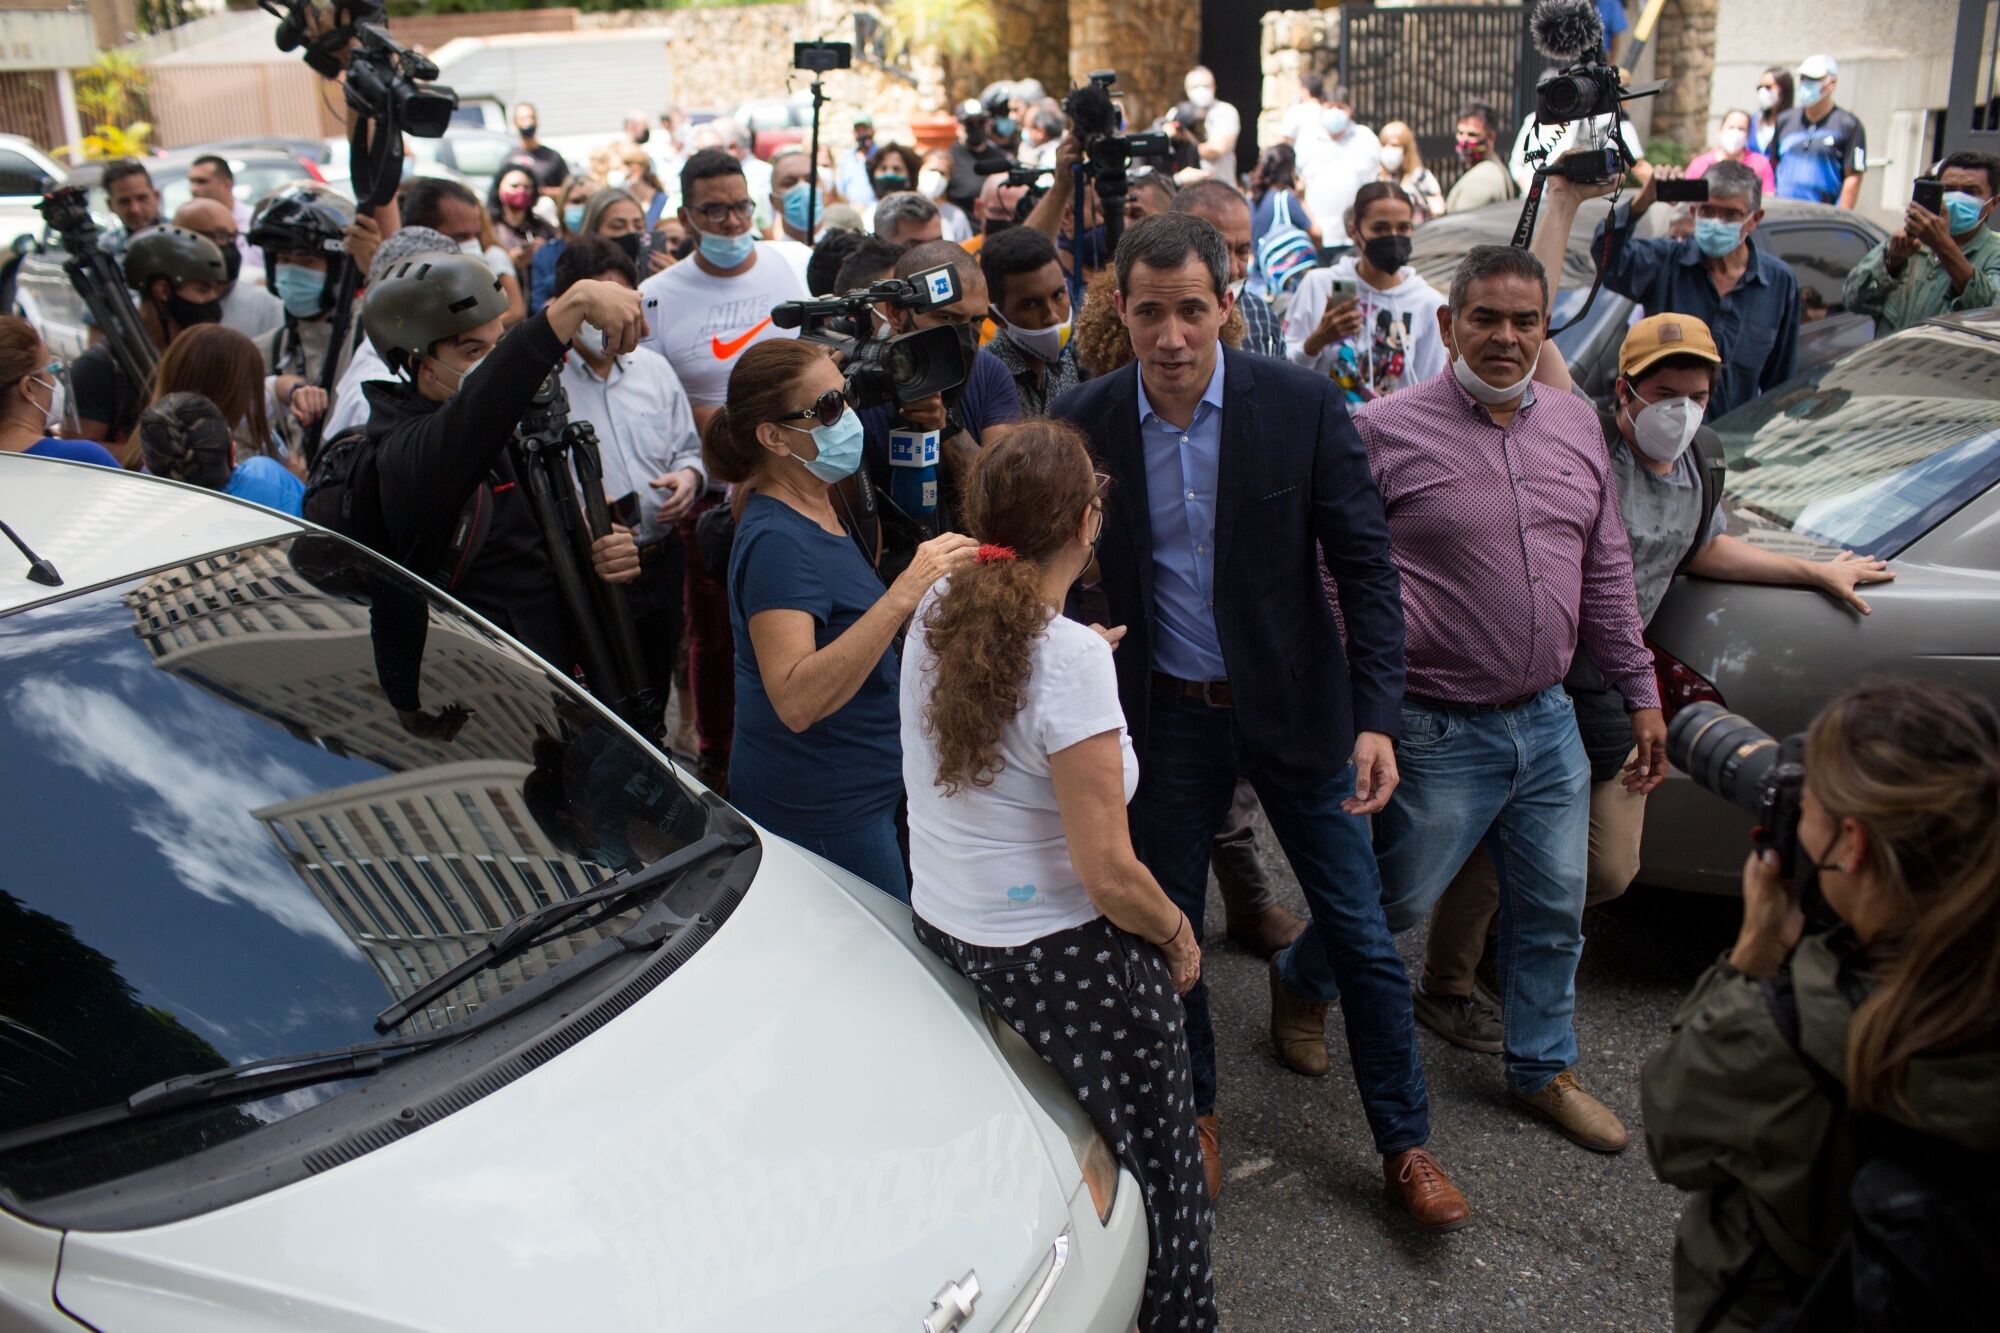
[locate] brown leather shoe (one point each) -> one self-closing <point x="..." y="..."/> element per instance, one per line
<point x="1298" y="1030"/>
<point x="1417" y="1180"/>
<point x="1577" y="1115"/>
<point x="1268" y="932"/>
<point x="1209" y="1129"/>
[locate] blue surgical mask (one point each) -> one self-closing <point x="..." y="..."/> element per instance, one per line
<point x="1962" y="210"/>
<point x="573" y="216"/>
<point x="1716" y="239"/>
<point x="839" y="448"/>
<point x="1004" y="128"/>
<point x="303" y="290"/>
<point x="726" y="251"/>
<point x="1810" y="91"/>
<point x="795" y="201"/>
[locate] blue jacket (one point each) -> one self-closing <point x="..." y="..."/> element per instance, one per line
<point x="1293" y="488"/>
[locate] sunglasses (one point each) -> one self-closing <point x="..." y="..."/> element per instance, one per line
<point x="828" y="408"/>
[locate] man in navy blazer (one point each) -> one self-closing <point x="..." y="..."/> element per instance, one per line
<point x="1231" y="475"/>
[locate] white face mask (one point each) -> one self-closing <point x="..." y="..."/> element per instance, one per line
<point x="931" y="184"/>
<point x="1044" y="344"/>
<point x="1766" y="98"/>
<point x="590" y="338"/>
<point x="1468" y="379"/>
<point x="470" y="246"/>
<point x="1732" y="140"/>
<point x="1392" y="157"/>
<point x="1202" y="97"/>
<point x="1662" y="431"/>
<point x="56" y="399"/>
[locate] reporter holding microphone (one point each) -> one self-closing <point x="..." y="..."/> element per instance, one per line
<point x="816" y="757"/>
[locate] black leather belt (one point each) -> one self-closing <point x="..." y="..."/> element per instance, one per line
<point x="1214" y="693"/>
<point x="1457" y="706"/>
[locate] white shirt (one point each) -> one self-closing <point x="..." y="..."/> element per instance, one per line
<point x="350" y="405"/>
<point x="251" y="311"/>
<point x="1304" y="122"/>
<point x="1398" y="345"/>
<point x="991" y="865"/>
<point x="701" y="323"/>
<point x="1333" y="171"/>
<point x="1219" y="122"/>
<point x="644" y="426"/>
<point x="796" y="253"/>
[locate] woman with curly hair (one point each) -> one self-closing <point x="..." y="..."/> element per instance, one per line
<point x="1018" y="769"/>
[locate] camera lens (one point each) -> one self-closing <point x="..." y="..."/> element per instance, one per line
<point x="1725" y="752"/>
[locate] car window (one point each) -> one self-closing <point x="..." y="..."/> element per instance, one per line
<point x="474" y="155"/>
<point x="19" y="176"/>
<point x="252" y="800"/>
<point x="1875" y="450"/>
<point x="1821" y="255"/>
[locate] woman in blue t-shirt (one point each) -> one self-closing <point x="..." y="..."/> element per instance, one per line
<point x="185" y="437"/>
<point x="817" y="756"/>
<point x="31" y="399"/>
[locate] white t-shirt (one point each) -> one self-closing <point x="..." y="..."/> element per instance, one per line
<point x="350" y="401"/>
<point x="1332" y="171"/>
<point x="796" y="253"/>
<point x="1399" y="343"/>
<point x="991" y="865"/>
<point x="1561" y="139"/>
<point x="702" y="323"/>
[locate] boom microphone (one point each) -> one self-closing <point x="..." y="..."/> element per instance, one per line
<point x="1567" y="31"/>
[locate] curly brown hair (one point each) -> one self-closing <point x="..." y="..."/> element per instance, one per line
<point x="1102" y="344"/>
<point x="1028" y="490"/>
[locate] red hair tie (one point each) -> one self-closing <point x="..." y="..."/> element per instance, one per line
<point x="986" y="555"/>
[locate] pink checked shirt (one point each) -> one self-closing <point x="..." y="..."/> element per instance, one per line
<point x="1509" y="543"/>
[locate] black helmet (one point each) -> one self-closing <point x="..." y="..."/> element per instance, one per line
<point x="427" y="299"/>
<point x="173" y="253"/>
<point x="300" y="219"/>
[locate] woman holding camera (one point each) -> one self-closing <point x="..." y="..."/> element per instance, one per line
<point x="1019" y="767"/>
<point x="1891" y="1015"/>
<point x="816" y="757"/>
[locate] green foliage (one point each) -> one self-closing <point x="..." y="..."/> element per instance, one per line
<point x="955" y="28"/>
<point x="112" y="89"/>
<point x="1669" y="153"/>
<point x="160" y="15"/>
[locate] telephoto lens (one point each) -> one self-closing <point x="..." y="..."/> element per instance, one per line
<point x="1728" y="754"/>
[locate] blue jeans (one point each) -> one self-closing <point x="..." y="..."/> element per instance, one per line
<point x="1187" y="776"/>
<point x="1519" y="782"/>
<point x="869" y="849"/>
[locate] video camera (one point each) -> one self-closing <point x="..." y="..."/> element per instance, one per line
<point x="902" y="368"/>
<point x="1570" y="33"/>
<point x="1108" y="153"/>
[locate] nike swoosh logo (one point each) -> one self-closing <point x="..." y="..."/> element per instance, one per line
<point x="724" y="350"/>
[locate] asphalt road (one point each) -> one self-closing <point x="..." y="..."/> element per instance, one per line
<point x="1562" y="1238"/>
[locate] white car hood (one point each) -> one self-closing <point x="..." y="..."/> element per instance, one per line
<point x="797" y="1130"/>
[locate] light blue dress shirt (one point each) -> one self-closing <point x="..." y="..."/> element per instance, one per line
<point x="1181" y="469"/>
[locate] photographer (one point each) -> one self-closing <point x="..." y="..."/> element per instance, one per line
<point x="1872" y="1038"/>
<point x="302" y="232"/>
<point x="1748" y="298"/>
<point x="1054" y="215"/>
<point x="816" y="756"/>
<point x="450" y="505"/>
<point x="973" y="150"/>
<point x="1938" y="262"/>
<point x="179" y="277"/>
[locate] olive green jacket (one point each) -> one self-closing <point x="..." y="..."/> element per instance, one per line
<point x="1922" y="289"/>
<point x="1755" y="1128"/>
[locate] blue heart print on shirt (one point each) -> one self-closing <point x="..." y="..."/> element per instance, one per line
<point x="1021" y="894"/>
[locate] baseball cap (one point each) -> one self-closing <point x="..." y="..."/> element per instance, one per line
<point x="1658" y="337"/>
<point x="971" y="107"/>
<point x="864" y="118"/>
<point x="1819" y="67"/>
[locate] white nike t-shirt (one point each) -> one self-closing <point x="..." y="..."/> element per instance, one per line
<point x="702" y="323"/>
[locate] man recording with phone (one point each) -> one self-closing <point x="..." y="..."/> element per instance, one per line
<point x="1747" y="297"/>
<point x="1944" y="258"/>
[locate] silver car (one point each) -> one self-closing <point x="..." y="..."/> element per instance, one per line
<point x="1893" y="451"/>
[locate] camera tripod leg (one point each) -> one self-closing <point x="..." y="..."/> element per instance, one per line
<point x="545" y="475"/>
<point x="329" y="374"/>
<point x="638" y="704"/>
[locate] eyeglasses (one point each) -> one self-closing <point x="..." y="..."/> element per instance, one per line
<point x="717" y="214"/>
<point x="828" y="408"/>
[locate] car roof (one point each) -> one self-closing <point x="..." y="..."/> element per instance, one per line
<point x="178" y="160"/>
<point x="98" y="524"/>
<point x="1984" y="321"/>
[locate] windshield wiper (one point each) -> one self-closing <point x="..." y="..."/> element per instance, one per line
<point x="525" y="931"/>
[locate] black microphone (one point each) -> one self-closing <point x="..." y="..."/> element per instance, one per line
<point x="991" y="168"/>
<point x="1567" y="31"/>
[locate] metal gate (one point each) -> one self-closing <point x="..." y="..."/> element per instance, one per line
<point x="1420" y="65"/>
<point x="1973" y="118"/>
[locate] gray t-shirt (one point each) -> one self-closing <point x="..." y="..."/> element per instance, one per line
<point x="1660" y="513"/>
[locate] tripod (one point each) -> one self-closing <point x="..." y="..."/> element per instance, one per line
<point x="96" y="277"/>
<point x="545" y="448"/>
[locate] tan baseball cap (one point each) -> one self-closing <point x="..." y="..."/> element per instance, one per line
<point x="1658" y="337"/>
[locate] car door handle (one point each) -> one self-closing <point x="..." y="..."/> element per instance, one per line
<point x="951" y="1307"/>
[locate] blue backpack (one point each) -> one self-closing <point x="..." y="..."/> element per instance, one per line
<point x="1285" y="254"/>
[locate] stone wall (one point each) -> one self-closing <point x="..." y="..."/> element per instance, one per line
<point x="1034" y="44"/>
<point x="1684" y="53"/>
<point x="1151" y="43"/>
<point x="1294" y="41"/>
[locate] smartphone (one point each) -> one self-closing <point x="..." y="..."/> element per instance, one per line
<point x="1344" y="289"/>
<point x="625" y="510"/>
<point x="1682" y="192"/>
<point x="1928" y="194"/>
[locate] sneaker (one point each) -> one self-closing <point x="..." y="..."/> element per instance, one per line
<point x="1470" y="1021"/>
<point x="1577" y="1115"/>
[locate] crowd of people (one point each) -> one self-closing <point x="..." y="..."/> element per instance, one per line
<point x="1238" y="520"/>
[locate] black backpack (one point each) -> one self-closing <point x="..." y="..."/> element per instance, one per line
<point x="344" y="490"/>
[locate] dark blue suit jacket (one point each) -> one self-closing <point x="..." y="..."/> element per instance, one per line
<point x="1293" y="483"/>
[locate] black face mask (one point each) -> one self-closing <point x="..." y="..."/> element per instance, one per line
<point x="631" y="243"/>
<point x="968" y="344"/>
<point x="644" y="135"/>
<point x="188" y="313"/>
<point x="890" y="182"/>
<point x="232" y="263"/>
<point x="528" y="130"/>
<point x="1387" y="253"/>
<point x="992" y="225"/>
<point x="1818" y="912"/>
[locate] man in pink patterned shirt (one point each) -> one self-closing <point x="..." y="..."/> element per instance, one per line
<point x="1503" y="519"/>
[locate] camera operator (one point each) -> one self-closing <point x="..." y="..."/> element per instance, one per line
<point x="1747" y="297"/>
<point x="179" y="277"/>
<point x="1054" y="215"/>
<point x="451" y="506"/>
<point x="1869" y="1041"/>
<point x="1937" y="262"/>
<point x="973" y="150"/>
<point x="128" y="187"/>
<point x="246" y="308"/>
<point x="350" y="398"/>
<point x="647" y="441"/>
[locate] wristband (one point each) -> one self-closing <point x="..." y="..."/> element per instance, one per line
<point x="1176" y="935"/>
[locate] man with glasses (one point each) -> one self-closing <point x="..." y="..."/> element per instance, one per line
<point x="246" y="307"/>
<point x="1748" y="298"/>
<point x="702" y="314"/>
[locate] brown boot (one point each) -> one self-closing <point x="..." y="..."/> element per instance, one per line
<point x="1577" y="1115"/>
<point x="1417" y="1180"/>
<point x="1208" y="1128"/>
<point x="1298" y="1030"/>
<point x="1268" y="932"/>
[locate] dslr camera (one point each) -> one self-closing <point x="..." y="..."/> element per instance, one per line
<point x="1734" y="758"/>
<point x="1570" y="33"/>
<point x="899" y="368"/>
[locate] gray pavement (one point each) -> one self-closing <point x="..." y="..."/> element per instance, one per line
<point x="1305" y="1239"/>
